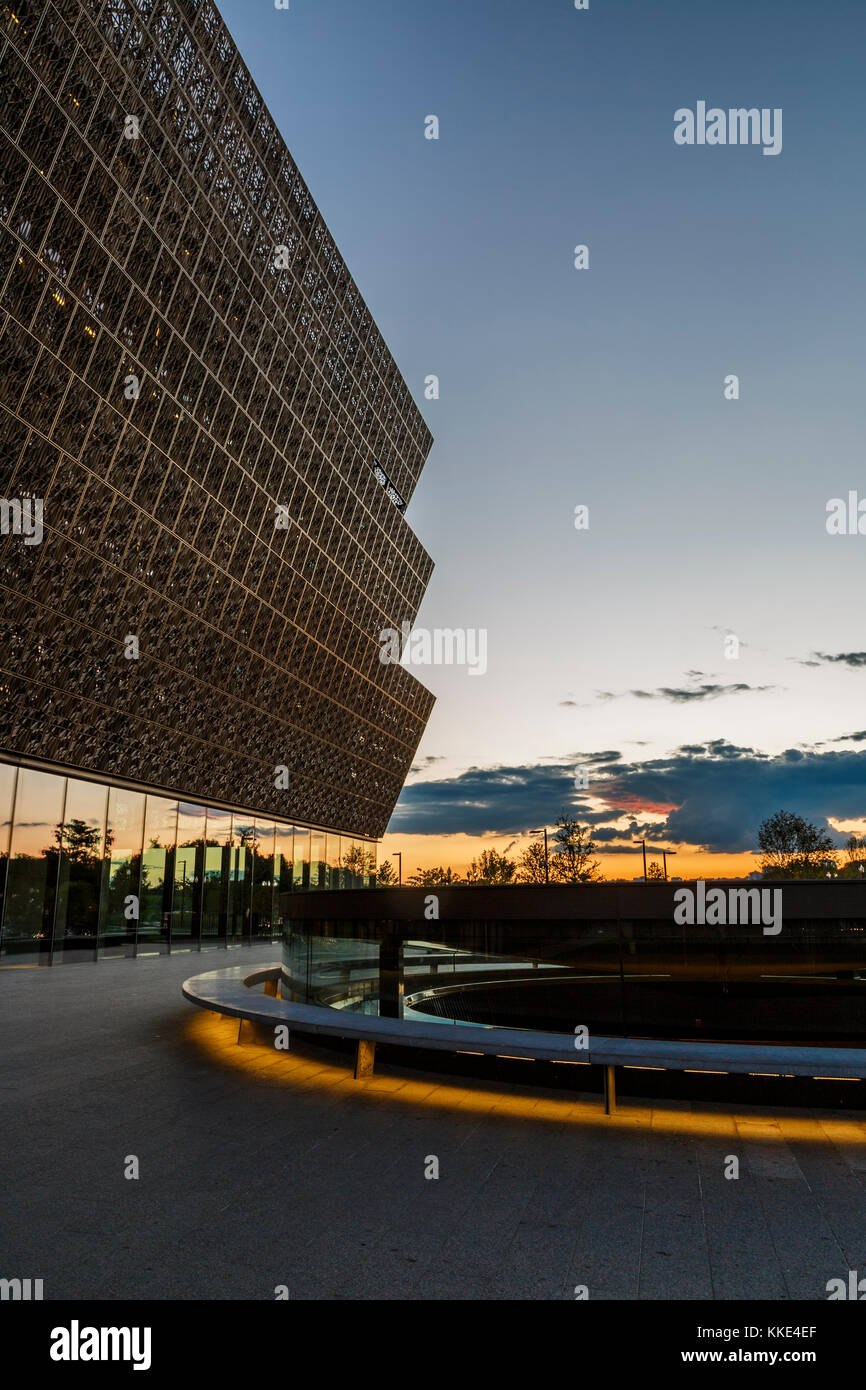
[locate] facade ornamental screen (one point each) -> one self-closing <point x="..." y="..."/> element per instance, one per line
<point x="196" y="413"/>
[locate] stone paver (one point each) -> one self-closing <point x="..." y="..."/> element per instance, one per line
<point x="259" y="1169"/>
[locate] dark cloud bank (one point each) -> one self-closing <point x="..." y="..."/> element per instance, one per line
<point x="715" y="794"/>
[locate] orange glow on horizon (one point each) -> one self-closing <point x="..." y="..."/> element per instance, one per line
<point x="458" y="851"/>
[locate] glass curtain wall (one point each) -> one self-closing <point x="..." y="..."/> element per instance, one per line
<point x="8" y="776"/>
<point x="217" y="879"/>
<point x="262" y="904"/>
<point x="89" y="870"/>
<point x="241" y="880"/>
<point x="301" y="871"/>
<point x="31" y="885"/>
<point x="80" y="871"/>
<point x="157" y="876"/>
<point x="120" y="909"/>
<point x="284" y="868"/>
<point x="188" y="877"/>
<point x="318" y="860"/>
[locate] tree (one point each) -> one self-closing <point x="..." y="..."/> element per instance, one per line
<point x="386" y="874"/>
<point x="433" y="878"/>
<point x="359" y="861"/>
<point x="79" y="841"/>
<point x="573" y="849"/>
<point x="531" y="867"/>
<point x="81" y="871"/>
<point x="492" y="867"/>
<point x="792" y="847"/>
<point x="855" y="864"/>
<point x="654" y="872"/>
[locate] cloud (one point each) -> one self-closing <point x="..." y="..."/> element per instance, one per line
<point x="713" y="795"/>
<point x="423" y="765"/>
<point x="707" y="691"/>
<point x="853" y="659"/>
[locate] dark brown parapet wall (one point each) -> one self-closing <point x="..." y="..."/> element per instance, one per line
<point x="610" y="958"/>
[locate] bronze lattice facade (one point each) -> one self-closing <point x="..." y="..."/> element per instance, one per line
<point x="196" y="400"/>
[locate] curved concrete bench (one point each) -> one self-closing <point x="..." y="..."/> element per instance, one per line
<point x="228" y="992"/>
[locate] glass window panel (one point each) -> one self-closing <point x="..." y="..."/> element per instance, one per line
<point x="262" y="920"/>
<point x="318" y="860"/>
<point x="76" y="920"/>
<point x="7" y="795"/>
<point x="188" y="876"/>
<point x="118" y="927"/>
<point x="284" y="868"/>
<point x="333" y="870"/>
<point x="217" y="878"/>
<point x="157" y="876"/>
<point x="301" y="874"/>
<point x="356" y="863"/>
<point x="33" y="859"/>
<point x="241" y="879"/>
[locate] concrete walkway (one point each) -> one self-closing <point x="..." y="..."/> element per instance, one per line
<point x="259" y="1168"/>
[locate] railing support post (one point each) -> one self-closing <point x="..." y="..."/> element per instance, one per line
<point x="365" y="1054"/>
<point x="609" y="1090"/>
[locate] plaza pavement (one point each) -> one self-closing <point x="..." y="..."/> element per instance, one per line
<point x="260" y="1169"/>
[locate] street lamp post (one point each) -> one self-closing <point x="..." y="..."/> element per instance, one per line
<point x="398" y="854"/>
<point x="665" y="853"/>
<point x="642" y="843"/>
<point x="542" y="830"/>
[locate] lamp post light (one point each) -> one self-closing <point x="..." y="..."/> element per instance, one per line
<point x="665" y="853"/>
<point x="542" y="830"/>
<point x="642" y="843"/>
<point x="398" y="855"/>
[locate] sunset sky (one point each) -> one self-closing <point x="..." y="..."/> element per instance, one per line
<point x="605" y="387"/>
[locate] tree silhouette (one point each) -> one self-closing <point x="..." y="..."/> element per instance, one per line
<point x="492" y="867"/>
<point x="532" y="865"/>
<point x="792" y="847"/>
<point x="386" y="874"/>
<point x="79" y="841"/>
<point x="573" y="850"/>
<point x="433" y="878"/>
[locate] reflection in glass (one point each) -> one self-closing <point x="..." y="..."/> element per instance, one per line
<point x="217" y="877"/>
<point x="333" y="870"/>
<point x="283" y="875"/>
<point x="241" y="880"/>
<point x="121" y="887"/>
<point x="263" y="882"/>
<point x="318" y="860"/>
<point x="188" y="875"/>
<point x="301" y="873"/>
<point x="81" y="868"/>
<point x="7" y="798"/>
<point x="33" y="861"/>
<point x="157" y="875"/>
<point x="357" y="864"/>
<point x="79" y="858"/>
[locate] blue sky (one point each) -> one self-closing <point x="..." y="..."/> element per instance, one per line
<point x="604" y="387"/>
